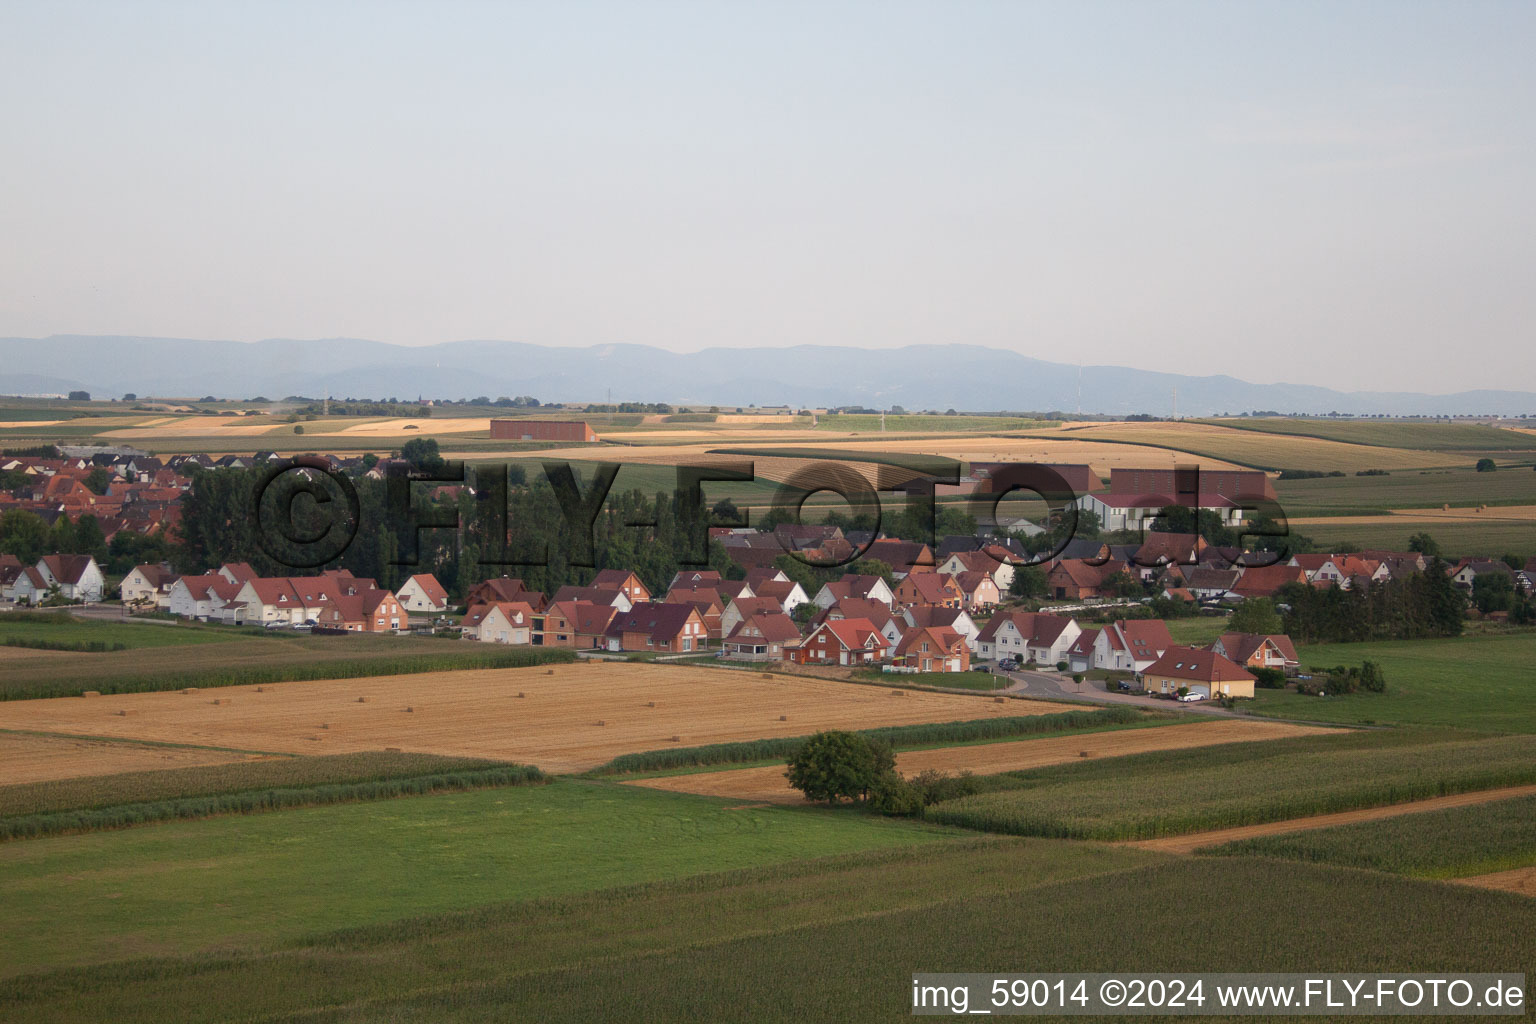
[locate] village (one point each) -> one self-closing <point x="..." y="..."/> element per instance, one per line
<point x="956" y="607"/>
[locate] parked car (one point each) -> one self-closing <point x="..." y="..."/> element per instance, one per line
<point x="1124" y="686"/>
<point x="1007" y="664"/>
<point x="1190" y="698"/>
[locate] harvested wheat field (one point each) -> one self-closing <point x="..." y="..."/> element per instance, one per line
<point x="767" y="784"/>
<point x="25" y="758"/>
<point x="1194" y="841"/>
<point x="1521" y="881"/>
<point x="569" y="717"/>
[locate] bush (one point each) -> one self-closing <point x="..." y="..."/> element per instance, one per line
<point x="1268" y="678"/>
<point x="1062" y="666"/>
<point x="893" y="795"/>
<point x="1486" y="466"/>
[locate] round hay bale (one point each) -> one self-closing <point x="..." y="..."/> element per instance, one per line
<point x="898" y="693"/>
<point x="650" y="703"/>
<point x="190" y="689"/>
<point x="677" y="739"/>
<point x="325" y="725"/>
<point x="783" y="718"/>
<point x="362" y="700"/>
<point x="261" y="689"/>
<point x="601" y="722"/>
<point x="392" y="750"/>
<point x="91" y="693"/>
<point x="549" y="672"/>
<point x="1083" y="753"/>
<point x="122" y="713"/>
<point x="520" y="693"/>
<point x="410" y="710"/>
<point x="999" y="700"/>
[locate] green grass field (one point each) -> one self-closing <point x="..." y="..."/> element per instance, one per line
<point x="1177" y="792"/>
<point x="1479" y="682"/>
<point x="1452" y="843"/>
<point x="1199" y="630"/>
<point x="1424" y="436"/>
<point x="1489" y="539"/>
<point x="188" y="886"/>
<point x="56" y="627"/>
<point x="1406" y="489"/>
<point x="835" y="939"/>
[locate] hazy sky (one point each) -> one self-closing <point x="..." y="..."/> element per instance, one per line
<point x="1337" y="193"/>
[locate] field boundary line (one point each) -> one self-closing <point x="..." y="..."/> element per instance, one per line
<point x="1195" y="841"/>
<point x="133" y="742"/>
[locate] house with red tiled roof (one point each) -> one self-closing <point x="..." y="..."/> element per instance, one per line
<point x="1080" y="654"/>
<point x="1027" y="636"/>
<point x="657" y="626"/>
<point x="200" y="597"/>
<point x="697" y="578"/>
<point x="842" y="642"/>
<point x="957" y="619"/>
<point x="979" y="589"/>
<point x="744" y="607"/>
<point x="933" y="649"/>
<point x="993" y="560"/>
<point x="1259" y="650"/>
<point x="624" y="581"/>
<point x="595" y="595"/>
<point x="77" y="577"/>
<point x="556" y="625"/>
<point x="422" y="593"/>
<point x="364" y="611"/>
<point x="500" y="622"/>
<point x="854" y="585"/>
<point x="1264" y="581"/>
<point x="1130" y="645"/>
<point x="903" y="556"/>
<point x="1072" y="579"/>
<point x="929" y="588"/>
<point x="148" y="584"/>
<point x="762" y="637"/>
<point x="1204" y="672"/>
<point x="788" y="593"/>
<point x="708" y="602"/>
<point x="890" y="625"/>
<point x="499" y="588"/>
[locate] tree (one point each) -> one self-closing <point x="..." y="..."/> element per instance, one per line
<point x="1424" y="544"/>
<point x="1493" y="592"/>
<point x="1256" y="615"/>
<point x="1028" y="581"/>
<point x="130" y="397"/>
<point x="298" y="429"/>
<point x="421" y="453"/>
<point x="725" y="509"/>
<point x="1486" y="466"/>
<point x="79" y="396"/>
<point x="98" y="480"/>
<point x="838" y="765"/>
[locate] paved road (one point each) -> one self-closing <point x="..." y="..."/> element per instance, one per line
<point x="1061" y="687"/>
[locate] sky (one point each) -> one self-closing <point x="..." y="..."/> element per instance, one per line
<point x="1328" y="193"/>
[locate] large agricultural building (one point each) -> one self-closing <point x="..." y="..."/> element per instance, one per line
<point x="542" y="430"/>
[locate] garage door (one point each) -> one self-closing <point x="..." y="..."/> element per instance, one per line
<point x="1200" y="688"/>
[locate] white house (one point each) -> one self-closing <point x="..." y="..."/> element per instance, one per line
<point x="505" y="622"/>
<point x="148" y="584"/>
<point x="1137" y="511"/>
<point x="871" y="588"/>
<point x="1028" y="636"/>
<point x="1131" y="645"/>
<point x="200" y="597"/>
<point x="78" y="577"/>
<point x="423" y="594"/>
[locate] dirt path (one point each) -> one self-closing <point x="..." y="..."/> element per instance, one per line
<point x="767" y="784"/>
<point x="1194" y="841"/>
<point x="1521" y="881"/>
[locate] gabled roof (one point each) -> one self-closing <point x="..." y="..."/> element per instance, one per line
<point x="703" y="597"/>
<point x="518" y="613"/>
<point x="877" y="612"/>
<point x="854" y="634"/>
<point x="764" y="574"/>
<point x="659" y="621"/>
<point x="597" y="595"/>
<point x="1197" y="666"/>
<point x="749" y="606"/>
<point x="1035" y="627"/>
<point x="615" y="578"/>
<point x="156" y="575"/>
<point x="1262" y="581"/>
<point x="434" y="591"/>
<point x="1161" y="548"/>
<point x="773" y="627"/>
<point x="67" y="569"/>
<point x="1145" y="639"/>
<point x="971" y="579"/>
<point x="686" y="578"/>
<point x="1083" y="645"/>
<point x="934" y="615"/>
<point x="1241" y="646"/>
<point x="944" y="640"/>
<point x="929" y="587"/>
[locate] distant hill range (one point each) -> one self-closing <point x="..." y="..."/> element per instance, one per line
<point x="963" y="377"/>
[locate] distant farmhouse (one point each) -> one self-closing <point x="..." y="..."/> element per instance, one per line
<point x="542" y="430"/>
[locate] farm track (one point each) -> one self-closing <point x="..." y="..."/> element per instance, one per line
<point x="767" y="783"/>
<point x="1197" y="840"/>
<point x="570" y="718"/>
<point x="1521" y="881"/>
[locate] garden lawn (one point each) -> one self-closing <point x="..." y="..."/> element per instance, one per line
<point x="1482" y="682"/>
<point x="192" y="886"/>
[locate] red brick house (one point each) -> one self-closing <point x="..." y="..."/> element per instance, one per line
<point x="842" y="642"/>
<point x="656" y="626"/>
<point x="933" y="649"/>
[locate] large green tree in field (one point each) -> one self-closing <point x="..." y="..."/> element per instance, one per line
<point x="1256" y="615"/>
<point x="837" y="765"/>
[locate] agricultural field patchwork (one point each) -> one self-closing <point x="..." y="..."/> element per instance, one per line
<point x="850" y="930"/>
<point x="1170" y="793"/>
